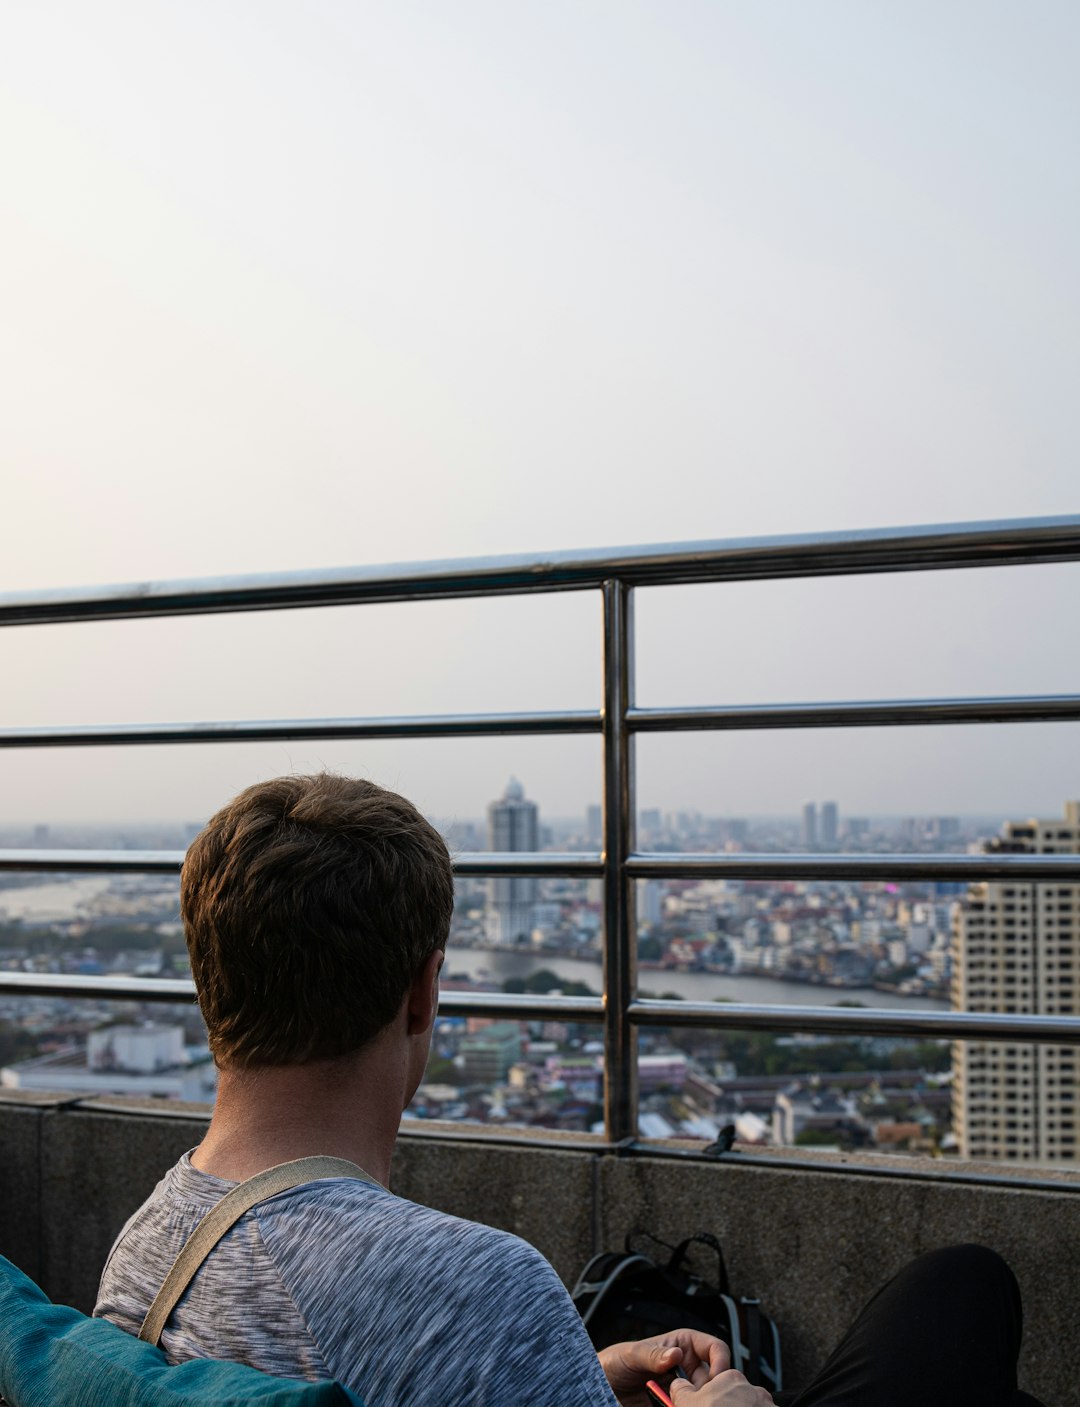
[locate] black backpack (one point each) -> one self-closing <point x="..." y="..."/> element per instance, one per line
<point x="628" y="1295"/>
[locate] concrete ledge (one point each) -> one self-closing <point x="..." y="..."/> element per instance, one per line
<point x="813" y="1237"/>
<point x="103" y="1165"/>
<point x="814" y="1248"/>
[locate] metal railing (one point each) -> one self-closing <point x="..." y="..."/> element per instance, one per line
<point x="615" y="574"/>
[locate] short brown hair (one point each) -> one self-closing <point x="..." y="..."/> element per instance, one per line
<point x="309" y="906"/>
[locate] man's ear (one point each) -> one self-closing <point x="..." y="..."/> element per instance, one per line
<point x="423" y="998"/>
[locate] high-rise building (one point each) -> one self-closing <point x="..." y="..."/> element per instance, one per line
<point x="489" y="1053"/>
<point x="735" y="831"/>
<point x="513" y="826"/>
<point x="809" y="826"/>
<point x="830" y="824"/>
<point x="594" y="824"/>
<point x="1016" y="948"/>
<point x="650" y="902"/>
<point x="650" y="824"/>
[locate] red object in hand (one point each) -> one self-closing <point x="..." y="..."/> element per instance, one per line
<point x="657" y="1393"/>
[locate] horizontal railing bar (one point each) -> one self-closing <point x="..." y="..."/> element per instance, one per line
<point x="930" y="547"/>
<point x="831" y="1020"/>
<point x="1032" y="709"/>
<point x="93" y="861"/>
<point x="460" y="725"/>
<point x="169" y="990"/>
<point x="869" y="1021"/>
<point x="119" y="988"/>
<point x="674" y="865"/>
<point x="885" y="713"/>
<point x="1019" y="867"/>
<point x="587" y="864"/>
<point x="521" y="1008"/>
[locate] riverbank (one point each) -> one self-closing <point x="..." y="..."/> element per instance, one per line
<point x="496" y="965"/>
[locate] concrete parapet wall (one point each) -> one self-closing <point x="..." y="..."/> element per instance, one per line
<point x="813" y="1239"/>
<point x="72" y="1172"/>
<point x="815" y="1246"/>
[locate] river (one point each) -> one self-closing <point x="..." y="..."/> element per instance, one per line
<point x="68" y="898"/>
<point x="497" y="966"/>
<point x="59" y="901"/>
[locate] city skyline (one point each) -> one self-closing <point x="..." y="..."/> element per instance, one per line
<point x="42" y="830"/>
<point x="916" y="944"/>
<point x="999" y="946"/>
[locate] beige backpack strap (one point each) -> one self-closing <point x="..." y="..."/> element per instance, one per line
<point x="227" y="1213"/>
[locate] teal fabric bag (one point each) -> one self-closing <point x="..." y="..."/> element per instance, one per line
<point x="53" y="1356"/>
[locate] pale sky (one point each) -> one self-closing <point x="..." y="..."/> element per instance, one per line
<point x="291" y="285"/>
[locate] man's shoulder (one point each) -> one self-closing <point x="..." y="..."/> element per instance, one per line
<point x="373" y="1229"/>
<point x="384" y="1285"/>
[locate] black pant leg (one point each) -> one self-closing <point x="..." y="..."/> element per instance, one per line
<point x="944" y="1332"/>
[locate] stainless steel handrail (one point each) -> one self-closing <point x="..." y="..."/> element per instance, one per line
<point x="661" y="865"/>
<point x="620" y="941"/>
<point x="91" y="862"/>
<point x="1021" y="868"/>
<point x="450" y="725"/>
<point x="584" y="864"/>
<point x="885" y="713"/>
<point x="923" y="548"/>
<point x="869" y="713"/>
<point x="181" y="990"/>
<point x="842" y="1021"/>
<point x="854" y="1021"/>
<point x="616" y="572"/>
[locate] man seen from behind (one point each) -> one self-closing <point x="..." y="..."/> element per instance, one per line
<point x="316" y="910"/>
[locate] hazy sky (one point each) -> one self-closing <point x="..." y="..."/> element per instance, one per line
<point x="289" y="285"/>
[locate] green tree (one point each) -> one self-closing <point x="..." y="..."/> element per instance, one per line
<point x="544" y="981"/>
<point x="15" y="1044"/>
<point x="818" y="1138"/>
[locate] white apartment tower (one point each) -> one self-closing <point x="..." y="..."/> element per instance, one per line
<point x="513" y="825"/>
<point x="1016" y="948"/>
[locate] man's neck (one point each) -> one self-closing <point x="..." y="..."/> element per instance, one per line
<point x="343" y="1109"/>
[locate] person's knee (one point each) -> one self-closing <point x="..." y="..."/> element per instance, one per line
<point x="967" y="1264"/>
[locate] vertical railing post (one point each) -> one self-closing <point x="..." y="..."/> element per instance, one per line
<point x="620" y="939"/>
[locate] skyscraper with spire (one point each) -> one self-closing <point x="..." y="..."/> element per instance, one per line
<point x="514" y="827"/>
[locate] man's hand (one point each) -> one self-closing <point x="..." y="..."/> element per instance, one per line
<point x="629" y="1366"/>
<point x="728" y="1389"/>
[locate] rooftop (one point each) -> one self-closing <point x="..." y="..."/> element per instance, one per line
<point x="75" y="1168"/>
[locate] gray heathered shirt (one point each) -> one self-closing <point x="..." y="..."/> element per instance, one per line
<point x="341" y="1279"/>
